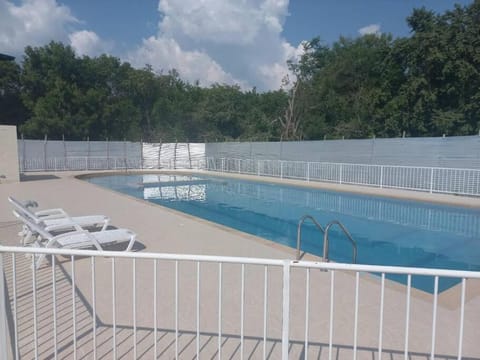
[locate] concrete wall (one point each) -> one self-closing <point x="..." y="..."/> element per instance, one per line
<point x="8" y="154"/>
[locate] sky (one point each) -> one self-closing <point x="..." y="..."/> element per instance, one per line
<point x="243" y="42"/>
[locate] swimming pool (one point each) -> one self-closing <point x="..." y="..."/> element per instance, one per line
<point x="387" y="231"/>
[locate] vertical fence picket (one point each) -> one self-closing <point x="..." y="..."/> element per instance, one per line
<point x="94" y="309"/>
<point x="332" y="303"/>
<point x="134" y="305"/>
<point x="34" y="303"/>
<point x="15" y="308"/>
<point x="407" y="316"/>
<point x="176" y="310"/>
<point x="307" y="312"/>
<point x="155" y="325"/>
<point x="265" y="310"/>
<point x="3" y="311"/>
<point x="380" y="326"/>
<point x="197" y="312"/>
<point x="242" y="310"/>
<point x="285" y="309"/>
<point x="462" y="318"/>
<point x="114" y="312"/>
<point x="220" y="274"/>
<point x="74" y="309"/>
<point x="434" y="315"/>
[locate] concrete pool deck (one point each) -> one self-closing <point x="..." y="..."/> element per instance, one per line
<point x="167" y="231"/>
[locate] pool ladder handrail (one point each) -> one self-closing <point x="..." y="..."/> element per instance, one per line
<point x="325" y="236"/>
<point x="326" y="240"/>
<point x="299" y="230"/>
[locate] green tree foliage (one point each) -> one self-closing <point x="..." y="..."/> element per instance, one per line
<point x="426" y="84"/>
<point x="12" y="110"/>
<point x="442" y="67"/>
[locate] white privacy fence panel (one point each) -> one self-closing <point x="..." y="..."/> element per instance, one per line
<point x="79" y="163"/>
<point x="57" y="155"/>
<point x="438" y="180"/>
<point x="40" y="155"/>
<point x="150" y="155"/>
<point x="101" y="304"/>
<point x="443" y="152"/>
<point x="173" y="156"/>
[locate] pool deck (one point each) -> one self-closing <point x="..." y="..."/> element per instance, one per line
<point x="167" y="231"/>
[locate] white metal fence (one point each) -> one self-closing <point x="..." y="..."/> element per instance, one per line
<point x="430" y="179"/>
<point x="93" y="304"/>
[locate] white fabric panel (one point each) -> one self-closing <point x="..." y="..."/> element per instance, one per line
<point x="173" y="156"/>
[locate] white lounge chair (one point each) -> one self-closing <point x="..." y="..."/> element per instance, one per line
<point x="57" y="218"/>
<point x="78" y="239"/>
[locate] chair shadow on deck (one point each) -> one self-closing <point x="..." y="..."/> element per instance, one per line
<point x="167" y="344"/>
<point x="30" y="177"/>
<point x="60" y="260"/>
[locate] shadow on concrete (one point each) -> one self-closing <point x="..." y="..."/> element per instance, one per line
<point x="24" y="177"/>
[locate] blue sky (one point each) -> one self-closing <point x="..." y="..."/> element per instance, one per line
<point x="134" y="20"/>
<point x="245" y="42"/>
<point x="329" y="18"/>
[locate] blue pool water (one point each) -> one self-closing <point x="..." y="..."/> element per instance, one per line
<point x="387" y="231"/>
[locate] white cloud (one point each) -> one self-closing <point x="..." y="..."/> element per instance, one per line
<point x="224" y="41"/>
<point x="213" y="21"/>
<point x="166" y="54"/>
<point x="372" y="29"/>
<point x="220" y="41"/>
<point x="88" y="43"/>
<point x="32" y="22"/>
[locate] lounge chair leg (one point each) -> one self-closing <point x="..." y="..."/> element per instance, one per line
<point x="130" y="244"/>
<point x="39" y="259"/>
<point x="105" y="225"/>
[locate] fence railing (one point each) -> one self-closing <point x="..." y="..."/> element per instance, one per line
<point x="94" y="304"/>
<point x="79" y="163"/>
<point x="429" y="179"/>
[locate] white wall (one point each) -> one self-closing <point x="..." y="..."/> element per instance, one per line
<point x="8" y="154"/>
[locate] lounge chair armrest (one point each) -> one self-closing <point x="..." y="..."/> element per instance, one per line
<point x="62" y="226"/>
<point x="78" y="232"/>
<point x="52" y="216"/>
<point x="50" y="212"/>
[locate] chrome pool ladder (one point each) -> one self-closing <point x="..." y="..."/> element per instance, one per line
<point x="326" y="240"/>
<point x="299" y="230"/>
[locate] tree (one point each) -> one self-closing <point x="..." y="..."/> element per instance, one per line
<point x="291" y="118"/>
<point x="442" y="66"/>
<point x="425" y="84"/>
<point x="50" y="82"/>
<point x="12" y="110"/>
